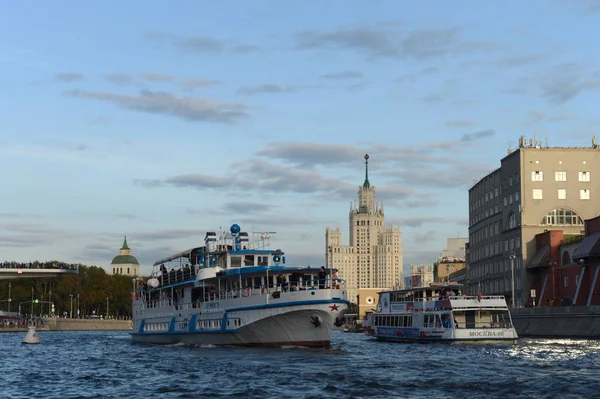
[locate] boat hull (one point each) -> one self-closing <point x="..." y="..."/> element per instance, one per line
<point x="445" y="335"/>
<point x="304" y="327"/>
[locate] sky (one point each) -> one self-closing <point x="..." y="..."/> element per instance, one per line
<point x="163" y="120"/>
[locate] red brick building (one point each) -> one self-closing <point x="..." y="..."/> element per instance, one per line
<point x="565" y="268"/>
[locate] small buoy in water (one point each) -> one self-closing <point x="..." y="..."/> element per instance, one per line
<point x="31" y="337"/>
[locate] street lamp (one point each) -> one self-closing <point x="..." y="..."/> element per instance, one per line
<point x="107" y="307"/>
<point x="31" y="314"/>
<point x="71" y="314"/>
<point x="9" y="300"/>
<point x="512" y="273"/>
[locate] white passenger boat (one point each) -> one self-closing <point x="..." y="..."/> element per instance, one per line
<point x="229" y="294"/>
<point x="440" y="313"/>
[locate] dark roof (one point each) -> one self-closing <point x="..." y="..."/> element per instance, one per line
<point x="124" y="260"/>
<point x="589" y="247"/>
<point x="541" y="258"/>
<point x="125" y="244"/>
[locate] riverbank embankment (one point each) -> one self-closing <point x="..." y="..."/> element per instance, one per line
<point x="558" y="322"/>
<point x="56" y="324"/>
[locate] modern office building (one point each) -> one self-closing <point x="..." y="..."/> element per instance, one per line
<point x="373" y="257"/>
<point x="537" y="188"/>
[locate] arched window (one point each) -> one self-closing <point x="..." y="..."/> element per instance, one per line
<point x="511" y="223"/>
<point x="566" y="258"/>
<point x="562" y="217"/>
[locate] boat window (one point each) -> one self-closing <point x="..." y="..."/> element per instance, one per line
<point x="249" y="260"/>
<point x="236" y="261"/>
<point x="263" y="260"/>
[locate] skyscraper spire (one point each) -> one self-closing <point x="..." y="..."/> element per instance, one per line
<point x="366" y="184"/>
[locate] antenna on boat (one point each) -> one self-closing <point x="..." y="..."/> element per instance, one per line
<point x="265" y="237"/>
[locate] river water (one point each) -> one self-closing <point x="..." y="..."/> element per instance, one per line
<point x="108" y="365"/>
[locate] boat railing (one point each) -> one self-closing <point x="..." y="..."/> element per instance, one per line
<point x="273" y="290"/>
<point x="441" y="298"/>
<point x="484" y="324"/>
<point x="174" y="274"/>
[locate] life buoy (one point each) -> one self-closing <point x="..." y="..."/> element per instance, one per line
<point x="399" y="333"/>
<point x="276" y="259"/>
<point x="370" y="300"/>
<point x="137" y="295"/>
<point x="422" y="334"/>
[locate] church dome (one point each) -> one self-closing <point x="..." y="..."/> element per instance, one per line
<point x="125" y="257"/>
<point x="124" y="260"/>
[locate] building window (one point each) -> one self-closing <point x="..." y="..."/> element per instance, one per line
<point x="584" y="176"/>
<point x="512" y="221"/>
<point x="560" y="176"/>
<point x="566" y="258"/>
<point x="562" y="217"/>
<point x="584" y="194"/>
<point x="537" y="175"/>
<point x="538" y="194"/>
<point x="562" y="193"/>
<point x="516" y="196"/>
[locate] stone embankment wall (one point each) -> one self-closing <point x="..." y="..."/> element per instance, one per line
<point x="54" y="324"/>
<point x="560" y="321"/>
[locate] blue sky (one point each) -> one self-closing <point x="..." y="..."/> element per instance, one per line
<point x="162" y="120"/>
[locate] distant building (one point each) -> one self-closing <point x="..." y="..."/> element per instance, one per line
<point x="125" y="263"/>
<point x="421" y="276"/>
<point x="537" y="188"/>
<point x="374" y="256"/>
<point x="452" y="259"/>
<point x="368" y="298"/>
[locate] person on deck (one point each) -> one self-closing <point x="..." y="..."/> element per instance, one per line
<point x="322" y="276"/>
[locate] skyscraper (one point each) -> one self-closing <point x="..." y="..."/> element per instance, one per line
<point x="373" y="258"/>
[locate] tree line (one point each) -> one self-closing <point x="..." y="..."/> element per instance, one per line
<point x="89" y="289"/>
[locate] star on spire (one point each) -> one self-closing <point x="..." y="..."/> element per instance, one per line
<point x="366" y="184"/>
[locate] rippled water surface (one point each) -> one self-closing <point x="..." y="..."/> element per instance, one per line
<point x="107" y="364"/>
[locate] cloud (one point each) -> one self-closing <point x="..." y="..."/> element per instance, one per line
<point x="190" y="84"/>
<point x="589" y="6"/>
<point x="520" y="60"/>
<point x="82" y="147"/>
<point x="420" y="221"/>
<point x="477" y="135"/>
<point x="199" y="181"/>
<point x="247" y="207"/>
<point x="266" y="88"/>
<point x="119" y="78"/>
<point x="11" y="215"/>
<point x="427" y="236"/>
<point x="68" y="76"/>
<point x="191" y="109"/>
<point x="346" y="75"/>
<point x="460" y="123"/>
<point x="306" y="155"/>
<point x="126" y="216"/>
<point x="245" y="48"/>
<point x="565" y="82"/>
<point x="190" y="44"/>
<point x="390" y="43"/>
<point x="157" y="77"/>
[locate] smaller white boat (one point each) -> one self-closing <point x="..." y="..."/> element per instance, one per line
<point x="440" y="313"/>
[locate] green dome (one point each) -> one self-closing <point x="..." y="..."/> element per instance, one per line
<point x="124" y="260"/>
